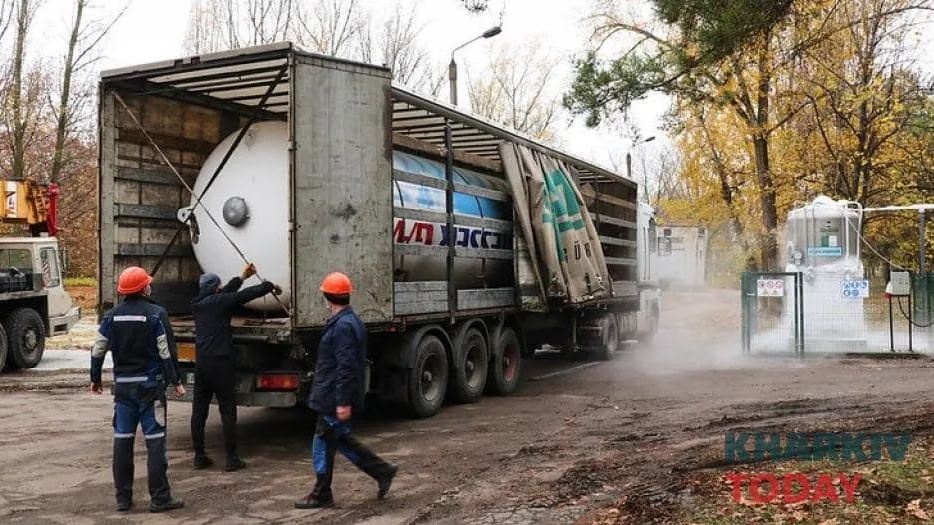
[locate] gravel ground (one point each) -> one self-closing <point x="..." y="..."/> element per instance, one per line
<point x="561" y="448"/>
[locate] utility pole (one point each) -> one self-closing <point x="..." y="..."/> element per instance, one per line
<point x="452" y="66"/>
<point x="629" y="164"/>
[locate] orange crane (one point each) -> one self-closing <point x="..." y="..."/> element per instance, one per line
<point x="31" y="203"/>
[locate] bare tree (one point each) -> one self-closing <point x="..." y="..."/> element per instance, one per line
<point x="516" y="89"/>
<point x="217" y="25"/>
<point x="330" y="27"/>
<point x="6" y="16"/>
<point x="86" y="34"/>
<point x="204" y="33"/>
<point x="397" y="47"/>
<point x="20" y="109"/>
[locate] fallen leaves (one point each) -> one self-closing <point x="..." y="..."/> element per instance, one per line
<point x="914" y="508"/>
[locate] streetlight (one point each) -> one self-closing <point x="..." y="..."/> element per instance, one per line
<point x="452" y="67"/>
<point x="629" y="163"/>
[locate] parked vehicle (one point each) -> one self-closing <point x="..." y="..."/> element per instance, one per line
<point x="305" y="164"/>
<point x="33" y="301"/>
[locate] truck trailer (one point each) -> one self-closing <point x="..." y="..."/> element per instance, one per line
<point x="470" y="246"/>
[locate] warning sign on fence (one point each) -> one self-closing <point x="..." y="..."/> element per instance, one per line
<point x="855" y="289"/>
<point x="770" y="287"/>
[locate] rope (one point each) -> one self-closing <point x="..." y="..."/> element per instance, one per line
<point x="171" y="167"/>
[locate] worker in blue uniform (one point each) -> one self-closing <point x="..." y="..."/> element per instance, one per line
<point x="338" y="390"/>
<point x="135" y="333"/>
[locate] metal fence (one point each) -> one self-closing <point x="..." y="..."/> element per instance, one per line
<point x="798" y="314"/>
<point x="772" y="313"/>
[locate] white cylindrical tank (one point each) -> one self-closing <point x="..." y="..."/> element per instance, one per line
<point x="822" y="240"/>
<point x="824" y="233"/>
<point x="250" y="201"/>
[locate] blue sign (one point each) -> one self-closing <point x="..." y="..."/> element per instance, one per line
<point x="855" y="289"/>
<point x="825" y="251"/>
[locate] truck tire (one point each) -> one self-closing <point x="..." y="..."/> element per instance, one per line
<point x="4" y="349"/>
<point x="428" y="379"/>
<point x="609" y="333"/>
<point x="469" y="375"/>
<point x="506" y="363"/>
<point x="25" y="336"/>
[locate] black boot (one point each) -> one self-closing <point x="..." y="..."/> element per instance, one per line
<point x="385" y="481"/>
<point x="202" y="461"/>
<point x="314" y="502"/>
<point x="166" y="506"/>
<point x="320" y="496"/>
<point x="234" y="464"/>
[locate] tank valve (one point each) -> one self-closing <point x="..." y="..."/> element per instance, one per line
<point x="236" y="212"/>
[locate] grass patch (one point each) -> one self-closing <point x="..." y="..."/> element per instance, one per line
<point x="80" y="281"/>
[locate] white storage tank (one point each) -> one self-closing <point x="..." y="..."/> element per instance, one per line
<point x="822" y="242"/>
<point x="250" y="201"/>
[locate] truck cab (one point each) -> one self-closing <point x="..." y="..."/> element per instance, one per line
<point x="41" y="258"/>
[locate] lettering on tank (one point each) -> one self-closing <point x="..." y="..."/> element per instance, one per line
<point x="434" y="234"/>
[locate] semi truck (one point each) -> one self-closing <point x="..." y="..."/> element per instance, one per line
<point x="470" y="245"/>
<point x="34" y="304"/>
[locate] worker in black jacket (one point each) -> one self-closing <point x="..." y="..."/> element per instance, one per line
<point x="134" y="331"/>
<point x="338" y="390"/>
<point x="215" y="373"/>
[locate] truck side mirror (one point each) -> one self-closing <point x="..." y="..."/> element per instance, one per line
<point x="63" y="252"/>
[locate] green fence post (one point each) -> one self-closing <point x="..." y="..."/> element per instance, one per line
<point x="748" y="307"/>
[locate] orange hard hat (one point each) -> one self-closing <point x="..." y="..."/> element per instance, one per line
<point x="336" y="283"/>
<point x="133" y="280"/>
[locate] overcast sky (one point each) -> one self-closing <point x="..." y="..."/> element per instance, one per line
<point x="153" y="30"/>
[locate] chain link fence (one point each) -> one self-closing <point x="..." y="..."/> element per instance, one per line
<point x="799" y="314"/>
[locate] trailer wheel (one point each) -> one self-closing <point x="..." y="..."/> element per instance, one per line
<point x="469" y="376"/>
<point x="429" y="377"/>
<point x="506" y="364"/>
<point x="26" y="337"/>
<point x="4" y="349"/>
<point x="609" y="333"/>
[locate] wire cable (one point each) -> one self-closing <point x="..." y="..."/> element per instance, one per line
<point x="908" y="318"/>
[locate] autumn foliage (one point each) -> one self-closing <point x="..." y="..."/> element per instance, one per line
<point x="773" y="109"/>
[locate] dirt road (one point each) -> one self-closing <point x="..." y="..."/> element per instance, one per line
<point x="563" y="447"/>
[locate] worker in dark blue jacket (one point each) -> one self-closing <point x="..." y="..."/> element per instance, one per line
<point x="215" y="374"/>
<point x="338" y="389"/>
<point x="142" y="365"/>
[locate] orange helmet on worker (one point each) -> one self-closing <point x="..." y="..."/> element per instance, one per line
<point x="133" y="280"/>
<point x="336" y="283"/>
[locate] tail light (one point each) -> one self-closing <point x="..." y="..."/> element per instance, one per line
<point x="277" y="382"/>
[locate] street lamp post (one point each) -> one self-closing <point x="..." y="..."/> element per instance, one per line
<point x="629" y="163"/>
<point x="452" y="67"/>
